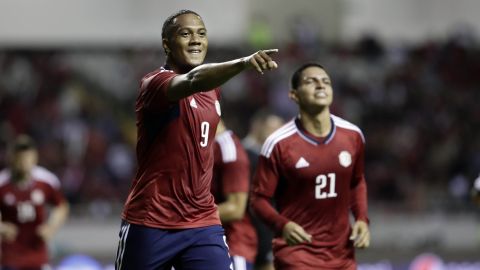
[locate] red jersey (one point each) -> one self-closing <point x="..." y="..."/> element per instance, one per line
<point x="315" y="183"/>
<point x="26" y="207"/>
<point x="232" y="174"/>
<point x="171" y="189"/>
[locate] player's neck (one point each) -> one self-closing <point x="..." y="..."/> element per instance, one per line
<point x="317" y="124"/>
<point x="171" y="65"/>
<point x="20" y="179"/>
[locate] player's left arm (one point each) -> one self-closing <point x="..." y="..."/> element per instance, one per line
<point x="58" y="214"/>
<point x="235" y="177"/>
<point x="56" y="219"/>
<point x="233" y="208"/>
<point x="359" y="206"/>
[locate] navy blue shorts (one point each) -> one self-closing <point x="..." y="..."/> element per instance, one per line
<point x="146" y="248"/>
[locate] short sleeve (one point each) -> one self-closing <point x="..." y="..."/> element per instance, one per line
<point x="236" y="174"/>
<point x="153" y="90"/>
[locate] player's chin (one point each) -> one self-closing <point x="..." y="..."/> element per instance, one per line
<point x="195" y="60"/>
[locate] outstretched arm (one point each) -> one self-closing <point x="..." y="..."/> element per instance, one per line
<point x="208" y="76"/>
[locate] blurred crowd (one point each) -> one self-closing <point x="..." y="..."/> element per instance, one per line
<point x="414" y="102"/>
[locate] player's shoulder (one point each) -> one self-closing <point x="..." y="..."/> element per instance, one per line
<point x="225" y="135"/>
<point x="43" y="175"/>
<point x="228" y="146"/>
<point x="145" y="81"/>
<point x="285" y="131"/>
<point x="342" y="123"/>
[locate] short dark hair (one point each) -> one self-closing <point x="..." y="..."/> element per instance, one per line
<point x="22" y="143"/>
<point x="295" y="82"/>
<point x="167" y="25"/>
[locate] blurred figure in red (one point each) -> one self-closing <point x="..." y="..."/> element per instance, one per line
<point x="262" y="124"/>
<point x="231" y="186"/>
<point x="26" y="192"/>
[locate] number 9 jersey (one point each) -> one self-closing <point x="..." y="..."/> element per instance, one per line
<point x="171" y="189"/>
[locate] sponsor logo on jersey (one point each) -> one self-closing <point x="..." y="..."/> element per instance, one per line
<point x="345" y="158"/>
<point x="217" y="107"/>
<point x="302" y="163"/>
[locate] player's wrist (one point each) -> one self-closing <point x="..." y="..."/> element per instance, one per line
<point x="280" y="225"/>
<point x="363" y="219"/>
<point x="244" y="62"/>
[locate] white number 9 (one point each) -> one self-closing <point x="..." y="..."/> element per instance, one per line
<point x="204" y="128"/>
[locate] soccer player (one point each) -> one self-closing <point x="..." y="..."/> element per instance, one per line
<point x="231" y="186"/>
<point x="170" y="217"/>
<point x="262" y="124"/>
<point x="27" y="192"/>
<point x="313" y="167"/>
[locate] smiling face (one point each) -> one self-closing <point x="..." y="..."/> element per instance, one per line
<point x="186" y="44"/>
<point x="314" y="91"/>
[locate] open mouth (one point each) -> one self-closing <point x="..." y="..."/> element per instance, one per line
<point x="320" y="94"/>
<point x="194" y="51"/>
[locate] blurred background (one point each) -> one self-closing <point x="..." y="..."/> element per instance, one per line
<point x="406" y="72"/>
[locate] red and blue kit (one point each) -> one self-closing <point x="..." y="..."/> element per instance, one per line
<point x="170" y="217"/>
<point x="171" y="188"/>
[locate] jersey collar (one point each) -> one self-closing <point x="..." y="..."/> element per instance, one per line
<point x="310" y="138"/>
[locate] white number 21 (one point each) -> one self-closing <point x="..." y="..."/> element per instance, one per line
<point x="204" y="128"/>
<point x="321" y="184"/>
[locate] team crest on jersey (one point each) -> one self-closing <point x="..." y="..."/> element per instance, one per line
<point x="193" y="103"/>
<point x="9" y="199"/>
<point x="37" y="197"/>
<point x="217" y="107"/>
<point x="345" y="158"/>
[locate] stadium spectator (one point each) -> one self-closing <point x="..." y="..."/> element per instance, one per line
<point x="230" y="187"/>
<point x="262" y="124"/>
<point x="27" y="192"/>
<point x="177" y="114"/>
<point x="313" y="166"/>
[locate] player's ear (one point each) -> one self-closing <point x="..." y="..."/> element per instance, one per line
<point x="165" y="46"/>
<point x="293" y="95"/>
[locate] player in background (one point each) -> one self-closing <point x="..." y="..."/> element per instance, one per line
<point x="262" y="124"/>
<point x="313" y="166"/>
<point x="170" y="217"/>
<point x="32" y="209"/>
<point x="231" y="186"/>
